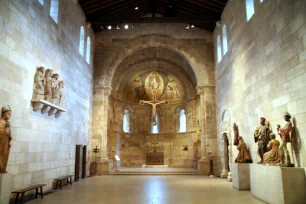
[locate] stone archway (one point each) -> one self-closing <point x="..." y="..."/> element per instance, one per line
<point x="199" y="66"/>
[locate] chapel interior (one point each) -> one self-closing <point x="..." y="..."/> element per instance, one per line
<point x="153" y="101"/>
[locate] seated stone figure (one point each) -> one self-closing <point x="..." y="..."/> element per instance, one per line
<point x="244" y="154"/>
<point x="274" y="156"/>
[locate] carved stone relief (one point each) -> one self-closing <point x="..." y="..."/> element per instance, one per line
<point x="48" y="92"/>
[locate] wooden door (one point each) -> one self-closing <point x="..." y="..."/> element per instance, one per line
<point x="77" y="162"/>
<point x="84" y="161"/>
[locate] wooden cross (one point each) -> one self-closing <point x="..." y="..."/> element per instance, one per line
<point x="153" y="103"/>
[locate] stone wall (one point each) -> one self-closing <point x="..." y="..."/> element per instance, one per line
<point x="132" y="147"/>
<point x="264" y="71"/>
<point x="43" y="147"/>
<point x="121" y="53"/>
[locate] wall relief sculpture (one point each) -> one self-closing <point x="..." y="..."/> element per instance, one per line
<point x="5" y="138"/>
<point x="48" y="92"/>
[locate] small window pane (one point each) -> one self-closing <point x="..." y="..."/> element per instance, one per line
<point x="250" y="10"/>
<point x="82" y="36"/>
<point x="88" y="50"/>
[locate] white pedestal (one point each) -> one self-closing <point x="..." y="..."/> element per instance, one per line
<point x="241" y="176"/>
<point x="5" y="187"/>
<point x="276" y="185"/>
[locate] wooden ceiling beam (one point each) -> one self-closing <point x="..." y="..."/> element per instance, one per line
<point x="204" y="6"/>
<point x="120" y="20"/>
<point x="106" y="4"/>
<point x="124" y="7"/>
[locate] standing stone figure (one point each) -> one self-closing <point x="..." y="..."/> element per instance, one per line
<point x="261" y="136"/>
<point x="5" y="138"/>
<point x="39" y="89"/>
<point x="61" y="99"/>
<point x="48" y="85"/>
<point x="285" y="137"/>
<point x="236" y="134"/>
<point x="226" y="152"/>
<point x="274" y="156"/>
<point x="244" y="155"/>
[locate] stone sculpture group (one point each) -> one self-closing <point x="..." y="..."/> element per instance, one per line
<point x="47" y="86"/>
<point x="269" y="149"/>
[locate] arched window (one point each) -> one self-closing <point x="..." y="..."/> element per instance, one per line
<point x="219" y="50"/>
<point x="250" y="10"/>
<point x="54" y="10"/>
<point x="81" y="45"/>
<point x="183" y="121"/>
<point x="224" y="40"/>
<point x="261" y="1"/>
<point x="155" y="128"/>
<point x="88" y="50"/>
<point x="126" y="121"/>
<point x="41" y="2"/>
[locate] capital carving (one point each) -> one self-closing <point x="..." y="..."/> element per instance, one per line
<point x="200" y="90"/>
<point x="107" y="91"/>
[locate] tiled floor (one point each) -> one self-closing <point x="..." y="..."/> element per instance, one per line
<point x="125" y="189"/>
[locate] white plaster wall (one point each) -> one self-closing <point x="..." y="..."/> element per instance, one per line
<point x="43" y="147"/>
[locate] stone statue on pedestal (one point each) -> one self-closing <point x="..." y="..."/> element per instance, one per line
<point x="274" y="156"/>
<point x="261" y="136"/>
<point x="5" y="138"/>
<point x="285" y="137"/>
<point x="244" y="155"/>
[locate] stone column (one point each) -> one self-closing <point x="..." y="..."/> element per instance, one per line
<point x="207" y="126"/>
<point x="100" y="126"/>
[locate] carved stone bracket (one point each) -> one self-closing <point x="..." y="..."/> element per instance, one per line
<point x="46" y="106"/>
<point x="107" y="91"/>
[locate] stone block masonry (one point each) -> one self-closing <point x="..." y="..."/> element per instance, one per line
<point x="43" y="148"/>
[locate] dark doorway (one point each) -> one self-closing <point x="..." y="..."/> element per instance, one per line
<point x="77" y="162"/>
<point x="84" y="161"/>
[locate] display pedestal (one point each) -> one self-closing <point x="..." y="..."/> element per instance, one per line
<point x="241" y="176"/>
<point x="103" y="167"/>
<point x="203" y="167"/>
<point x="278" y="185"/>
<point x="5" y="187"/>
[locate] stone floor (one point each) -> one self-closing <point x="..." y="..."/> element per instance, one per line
<point x="154" y="171"/>
<point x="149" y="190"/>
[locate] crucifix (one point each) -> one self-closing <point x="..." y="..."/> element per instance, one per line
<point x="153" y="103"/>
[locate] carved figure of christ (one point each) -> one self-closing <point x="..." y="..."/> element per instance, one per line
<point x="153" y="103"/>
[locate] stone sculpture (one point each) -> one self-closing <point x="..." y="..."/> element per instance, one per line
<point x="285" y="137"/>
<point x="274" y="156"/>
<point x="48" y="85"/>
<point x="48" y="92"/>
<point x="226" y="151"/>
<point x="261" y="136"/>
<point x="39" y="89"/>
<point x="236" y="134"/>
<point x="244" y="155"/>
<point x="5" y="138"/>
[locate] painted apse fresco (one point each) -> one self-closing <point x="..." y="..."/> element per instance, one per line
<point x="168" y="87"/>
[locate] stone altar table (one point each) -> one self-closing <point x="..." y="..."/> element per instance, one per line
<point x="155" y="158"/>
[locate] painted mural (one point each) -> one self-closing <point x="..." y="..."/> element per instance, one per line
<point x="166" y="87"/>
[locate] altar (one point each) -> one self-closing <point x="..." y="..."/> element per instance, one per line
<point x="155" y="158"/>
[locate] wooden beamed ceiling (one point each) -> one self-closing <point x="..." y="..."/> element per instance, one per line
<point x="201" y="13"/>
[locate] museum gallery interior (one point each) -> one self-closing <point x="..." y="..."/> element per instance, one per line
<point x="153" y="101"/>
